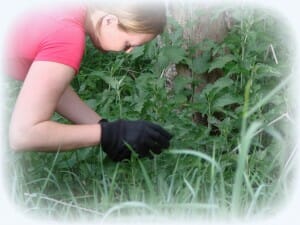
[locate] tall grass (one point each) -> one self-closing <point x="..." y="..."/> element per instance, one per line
<point x="238" y="164"/>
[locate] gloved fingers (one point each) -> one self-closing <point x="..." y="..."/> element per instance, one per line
<point x="153" y="146"/>
<point x="145" y="153"/>
<point x="139" y="147"/>
<point x="160" y="130"/>
<point x="122" y="155"/>
<point x="156" y="149"/>
<point x="142" y="150"/>
<point x="157" y="139"/>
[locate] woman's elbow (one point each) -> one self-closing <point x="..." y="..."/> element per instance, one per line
<point x="19" y="141"/>
<point x="16" y="144"/>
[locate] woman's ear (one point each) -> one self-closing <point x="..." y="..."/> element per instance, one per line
<point x="110" y="19"/>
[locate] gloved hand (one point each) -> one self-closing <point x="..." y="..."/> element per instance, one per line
<point x="142" y="136"/>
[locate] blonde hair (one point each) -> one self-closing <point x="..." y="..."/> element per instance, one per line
<point x="137" y="16"/>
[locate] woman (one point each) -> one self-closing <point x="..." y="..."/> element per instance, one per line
<point x="45" y="50"/>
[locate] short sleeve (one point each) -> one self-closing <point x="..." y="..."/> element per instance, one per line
<point x="65" y="45"/>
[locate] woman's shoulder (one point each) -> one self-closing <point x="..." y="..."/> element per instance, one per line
<point x="44" y="20"/>
<point x="48" y="34"/>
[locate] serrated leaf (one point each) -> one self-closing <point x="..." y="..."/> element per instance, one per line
<point x="220" y="62"/>
<point x="216" y="87"/>
<point x="139" y="106"/>
<point x="111" y="81"/>
<point x="181" y="82"/>
<point x="137" y="52"/>
<point x="171" y="54"/>
<point x="225" y="100"/>
<point x="264" y="70"/>
<point x="180" y="99"/>
<point x="200" y="64"/>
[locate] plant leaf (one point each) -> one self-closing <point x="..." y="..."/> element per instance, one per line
<point x="225" y="100"/>
<point x="220" y="62"/>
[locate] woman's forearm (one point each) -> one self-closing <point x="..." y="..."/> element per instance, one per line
<point x="74" y="109"/>
<point x="52" y="136"/>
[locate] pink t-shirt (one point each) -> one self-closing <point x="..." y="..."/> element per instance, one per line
<point x="51" y="35"/>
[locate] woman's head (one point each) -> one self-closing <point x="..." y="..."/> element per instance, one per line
<point x="122" y="25"/>
<point x="138" y="16"/>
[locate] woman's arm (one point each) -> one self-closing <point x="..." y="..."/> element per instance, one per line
<point x="31" y="128"/>
<point x="74" y="109"/>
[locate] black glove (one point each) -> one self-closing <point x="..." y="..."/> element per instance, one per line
<point x="142" y="136"/>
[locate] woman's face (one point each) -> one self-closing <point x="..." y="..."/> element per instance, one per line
<point x="110" y="37"/>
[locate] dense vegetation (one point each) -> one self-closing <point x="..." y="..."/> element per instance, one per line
<point x="236" y="162"/>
